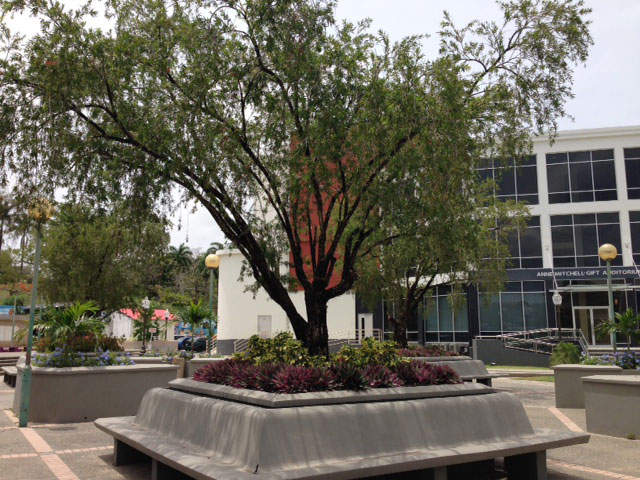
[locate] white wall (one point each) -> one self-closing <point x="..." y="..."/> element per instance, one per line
<point x="120" y="325"/>
<point x="238" y="310"/>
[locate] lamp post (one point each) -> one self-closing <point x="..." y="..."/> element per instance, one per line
<point x="166" y="324"/>
<point x="607" y="253"/>
<point x="212" y="261"/>
<point x="40" y="211"/>
<point x="557" y="301"/>
<point x="145" y="305"/>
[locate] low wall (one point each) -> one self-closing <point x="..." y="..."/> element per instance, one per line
<point x="492" y="350"/>
<point x="612" y="404"/>
<point x="80" y="394"/>
<point x="568" y="382"/>
<point x="156" y="345"/>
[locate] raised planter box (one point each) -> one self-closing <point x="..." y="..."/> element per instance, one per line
<point x="612" y="404"/>
<point x="568" y="382"/>
<point x="238" y="434"/>
<point x="440" y="359"/>
<point x="80" y="394"/>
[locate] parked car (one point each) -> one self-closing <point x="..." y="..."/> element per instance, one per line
<point x="199" y="346"/>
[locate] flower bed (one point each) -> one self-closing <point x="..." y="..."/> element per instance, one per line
<point x="624" y="360"/>
<point x="61" y="359"/>
<point x="433" y="351"/>
<point x="285" y="378"/>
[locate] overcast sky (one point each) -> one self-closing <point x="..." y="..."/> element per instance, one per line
<point x="606" y="89"/>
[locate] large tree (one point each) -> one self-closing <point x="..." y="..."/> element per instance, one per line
<point x="104" y="256"/>
<point x="287" y="126"/>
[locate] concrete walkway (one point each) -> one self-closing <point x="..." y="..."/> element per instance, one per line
<point x="80" y="452"/>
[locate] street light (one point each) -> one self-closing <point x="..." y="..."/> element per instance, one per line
<point x="40" y="211"/>
<point x="145" y="305"/>
<point x="607" y="253"/>
<point x="212" y="261"/>
<point x="166" y="324"/>
<point x="557" y="301"/>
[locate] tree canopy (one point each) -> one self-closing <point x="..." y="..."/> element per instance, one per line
<point x="287" y="126"/>
<point x="104" y="256"/>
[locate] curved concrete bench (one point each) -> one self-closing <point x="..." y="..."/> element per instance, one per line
<point x="470" y="370"/>
<point x="214" y="432"/>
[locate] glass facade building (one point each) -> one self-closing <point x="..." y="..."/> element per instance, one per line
<point x="582" y="191"/>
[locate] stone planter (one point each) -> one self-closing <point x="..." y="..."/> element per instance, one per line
<point x="80" y="394"/>
<point x="439" y="359"/>
<point x="236" y="434"/>
<point x="568" y="382"/>
<point x="612" y="404"/>
<point x="149" y="361"/>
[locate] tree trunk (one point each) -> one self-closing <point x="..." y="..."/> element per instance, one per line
<point x="400" y="332"/>
<point x="316" y="336"/>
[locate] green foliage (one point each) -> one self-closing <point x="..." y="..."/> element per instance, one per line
<point x="195" y="315"/>
<point x="627" y="324"/>
<point x="282" y="348"/>
<point x="259" y="124"/>
<point x="564" y="353"/>
<point x="84" y="343"/>
<point x="89" y="253"/>
<point x="371" y="352"/>
<point x="64" y="359"/>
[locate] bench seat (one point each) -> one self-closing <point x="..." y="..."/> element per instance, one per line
<point x="192" y="431"/>
<point x="10" y="375"/>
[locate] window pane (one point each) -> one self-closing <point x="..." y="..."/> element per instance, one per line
<point x="584" y="219"/>
<point x="609" y="234"/>
<point x="528" y="160"/>
<point x="489" y="311"/>
<point x="602" y="154"/>
<point x="535" y="311"/>
<point x="633" y="193"/>
<point x="559" y="198"/>
<point x="533" y="286"/>
<point x="507" y="182"/>
<point x="611" y="217"/>
<point x="604" y="175"/>
<point x="587" y="261"/>
<point x="632" y="153"/>
<point x="444" y="309"/>
<point x="530" y="244"/>
<point x="562" y="240"/>
<point x="561" y="220"/>
<point x="461" y="321"/>
<point x="632" y="168"/>
<point x="580" y="156"/>
<point x="564" y="262"/>
<point x="556" y="158"/>
<point x="635" y="237"/>
<point x="532" y="262"/>
<point x="512" y="241"/>
<point x="582" y="196"/>
<point x="432" y="316"/>
<point x="586" y="239"/>
<point x="581" y="176"/>
<point x="634" y="216"/>
<point x="529" y="199"/>
<point x="558" y="178"/>
<point x="512" y="312"/>
<point x="606" y="195"/>
<point x="527" y="179"/>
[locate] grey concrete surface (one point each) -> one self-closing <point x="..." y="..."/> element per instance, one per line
<point x="493" y="351"/>
<point x="603" y="458"/>
<point x="612" y="404"/>
<point x="65" y="395"/>
<point x="568" y="382"/>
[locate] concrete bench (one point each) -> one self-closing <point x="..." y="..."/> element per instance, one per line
<point x="243" y="434"/>
<point x="10" y="375"/>
<point x="471" y="370"/>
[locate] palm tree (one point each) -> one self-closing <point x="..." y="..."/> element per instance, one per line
<point x="627" y="324"/>
<point x="214" y="247"/>
<point x="195" y="314"/>
<point x="59" y="325"/>
<point x="182" y="256"/>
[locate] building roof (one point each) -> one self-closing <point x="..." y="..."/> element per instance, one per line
<point x="157" y="314"/>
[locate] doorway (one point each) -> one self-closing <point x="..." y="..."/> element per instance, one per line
<point x="588" y="319"/>
<point x="364" y="326"/>
<point x="264" y="326"/>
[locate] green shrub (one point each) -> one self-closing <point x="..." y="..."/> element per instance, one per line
<point x="371" y="352"/>
<point x="282" y="348"/>
<point x="564" y="353"/>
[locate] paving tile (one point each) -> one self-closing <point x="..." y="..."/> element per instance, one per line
<point x="74" y="435"/>
<point x="25" y="469"/>
<point x="12" y="441"/>
<point x="97" y="466"/>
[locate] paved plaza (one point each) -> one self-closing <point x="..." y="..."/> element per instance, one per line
<point x="80" y="451"/>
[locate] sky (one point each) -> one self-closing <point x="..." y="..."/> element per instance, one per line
<point x="606" y="88"/>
